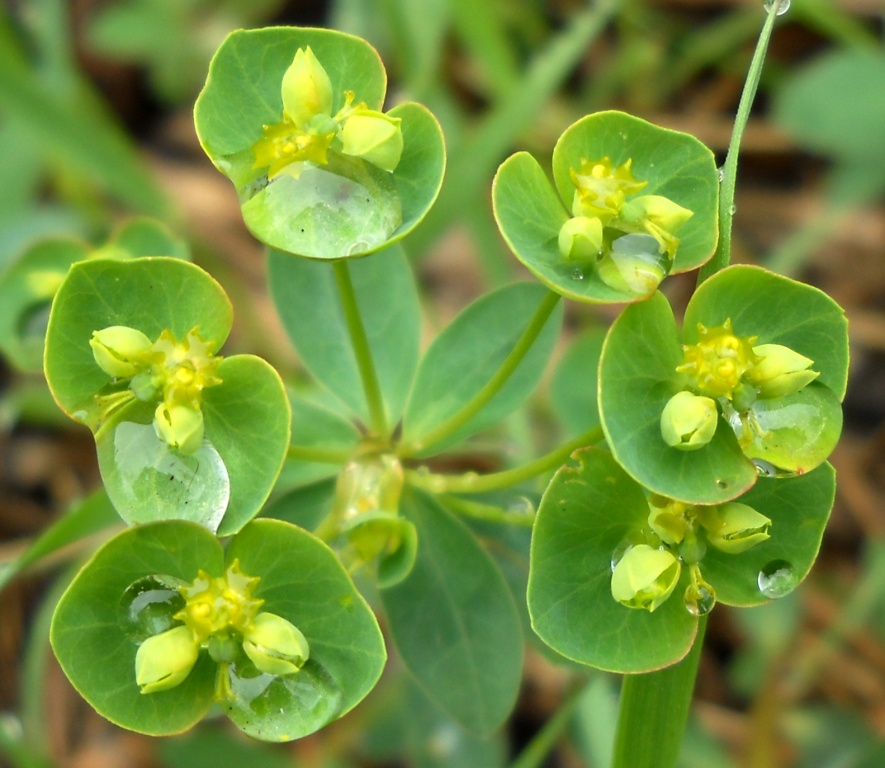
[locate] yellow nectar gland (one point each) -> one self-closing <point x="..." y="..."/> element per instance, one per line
<point x="285" y="143"/>
<point x="182" y="370"/>
<point x="717" y="362"/>
<point x="601" y="189"/>
<point x="218" y="605"/>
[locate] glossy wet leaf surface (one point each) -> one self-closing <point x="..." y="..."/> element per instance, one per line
<point x="468" y="632"/>
<point x="587" y="511"/>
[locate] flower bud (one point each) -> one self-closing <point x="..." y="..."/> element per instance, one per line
<point x="634" y="265"/>
<point x="373" y="136"/>
<point x="307" y="90"/>
<point x="275" y="645"/>
<point x="580" y="239"/>
<point x="735" y="527"/>
<point x="165" y="660"/>
<point x="181" y="426"/>
<point x="780" y="371"/>
<point x="659" y="210"/>
<point x="120" y="351"/>
<point x="645" y="577"/>
<point x="689" y="421"/>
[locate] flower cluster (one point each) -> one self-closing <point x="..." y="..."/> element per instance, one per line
<point x="308" y="130"/>
<point x="631" y="240"/>
<point x="730" y="371"/>
<point x="174" y="371"/>
<point x="221" y="615"/>
<point x="648" y="568"/>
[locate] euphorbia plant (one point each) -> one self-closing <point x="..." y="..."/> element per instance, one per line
<point x="703" y="479"/>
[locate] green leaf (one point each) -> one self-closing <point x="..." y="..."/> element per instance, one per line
<point x="347" y="207"/>
<point x="799" y="508"/>
<point x="574" y="383"/>
<point x="149" y="294"/>
<point x="26" y="290"/>
<point x="306" y="297"/>
<point x="453" y="619"/>
<point x="637" y="376"/>
<point x="142" y="236"/>
<point x="463" y="358"/>
<point x="93" y="648"/>
<point x="302" y="581"/>
<point x="806" y="320"/>
<point x="530" y="213"/>
<point x="587" y="511"/>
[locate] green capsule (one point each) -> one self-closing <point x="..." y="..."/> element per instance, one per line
<point x="780" y="371"/>
<point x="689" y="421"/>
<point x="645" y="577"/>
<point x="121" y="352"/>
<point x="275" y="646"/>
<point x="734" y="527"/>
<point x="307" y="89"/>
<point x="165" y="660"/>
<point x="373" y="136"/>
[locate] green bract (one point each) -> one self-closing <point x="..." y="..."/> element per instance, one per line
<point x="130" y="596"/>
<point x="785" y="434"/>
<point x="593" y="515"/>
<point x="293" y="118"/>
<point x="649" y="193"/>
<point x="165" y="451"/>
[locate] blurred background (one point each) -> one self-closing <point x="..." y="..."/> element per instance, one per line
<point x="96" y="101"/>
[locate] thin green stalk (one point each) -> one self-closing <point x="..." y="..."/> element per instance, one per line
<point x="488" y="512"/>
<point x="474" y="483"/>
<point x="361" y="348"/>
<point x="318" y="455"/>
<point x="653" y="712"/>
<point x="492" y="386"/>
<point x="728" y="174"/>
<point x="535" y="752"/>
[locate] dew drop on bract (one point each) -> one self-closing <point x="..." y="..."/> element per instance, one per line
<point x="619" y="551"/>
<point x="721" y="175"/>
<point x="148" y="605"/>
<point x="281" y="707"/>
<point x="782" y="6"/>
<point x="777" y="579"/>
<point x="521" y="506"/>
<point x="764" y="469"/>
<point x="699" y="598"/>
<point x="147" y="480"/>
<point x="634" y="265"/>
<point x="577" y="274"/>
<point x="342" y="209"/>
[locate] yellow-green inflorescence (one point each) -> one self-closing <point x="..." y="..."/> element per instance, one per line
<point x="168" y="370"/>
<point x="726" y="370"/>
<point x="309" y="130"/>
<point x="221" y="615"/>
<point x="648" y="566"/>
<point x="629" y="238"/>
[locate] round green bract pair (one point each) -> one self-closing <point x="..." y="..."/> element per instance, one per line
<point x="788" y="435"/>
<point x="590" y="515"/>
<point x="293" y="117"/>
<point x="648" y="208"/>
<point x="129" y="592"/>
<point x="234" y="437"/>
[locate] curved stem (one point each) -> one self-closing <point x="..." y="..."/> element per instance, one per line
<point x="474" y="483"/>
<point x="654" y="710"/>
<point x="728" y="174"/>
<point x="492" y="386"/>
<point x="487" y="512"/>
<point x="361" y="349"/>
<point x="318" y="455"/>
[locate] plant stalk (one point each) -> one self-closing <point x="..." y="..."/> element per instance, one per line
<point x="728" y="173"/>
<point x="361" y="349"/>
<point x="492" y="386"/>
<point x="654" y="710"/>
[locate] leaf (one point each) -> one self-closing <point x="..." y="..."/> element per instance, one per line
<point x="585" y="515"/>
<point x="573" y="386"/>
<point x="777" y="310"/>
<point x="96" y="653"/>
<point x="463" y="358"/>
<point x="799" y="508"/>
<point x="307" y="299"/>
<point x="142" y="236"/>
<point x="637" y="376"/>
<point x="453" y="619"/>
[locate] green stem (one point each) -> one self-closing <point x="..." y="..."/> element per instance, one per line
<point x="318" y="455"/>
<point x="492" y="386"/>
<point x="653" y="712"/>
<point x="361" y="349"/>
<point x="536" y="751"/>
<point x="488" y="512"/>
<point x="474" y="483"/>
<point x="728" y="174"/>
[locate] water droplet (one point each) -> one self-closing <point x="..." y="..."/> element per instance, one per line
<point x="777" y="579"/>
<point x="721" y="175"/>
<point x="634" y="265"/>
<point x="148" y="605"/>
<point x="577" y="274"/>
<point x="782" y="6"/>
<point x="733" y="210"/>
<point x="147" y="480"/>
<point x="720" y="483"/>
<point x="764" y="469"/>
<point x="281" y="707"/>
<point x="619" y="551"/>
<point x="521" y="506"/>
<point x="699" y="598"/>
<point x="342" y="209"/>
